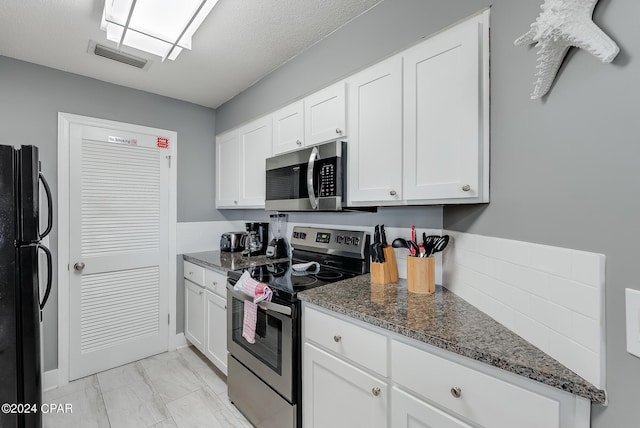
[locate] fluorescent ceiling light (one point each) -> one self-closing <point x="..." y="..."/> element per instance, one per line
<point x="161" y="27"/>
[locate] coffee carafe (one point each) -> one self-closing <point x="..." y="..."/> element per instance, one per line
<point x="257" y="238"/>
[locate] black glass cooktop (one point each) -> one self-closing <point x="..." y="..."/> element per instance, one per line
<point x="286" y="282"/>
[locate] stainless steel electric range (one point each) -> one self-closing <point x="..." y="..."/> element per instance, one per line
<point x="264" y="378"/>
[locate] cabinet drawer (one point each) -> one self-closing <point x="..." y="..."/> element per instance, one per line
<point x="194" y="273"/>
<point x="484" y="399"/>
<point x="216" y="282"/>
<point x="360" y="345"/>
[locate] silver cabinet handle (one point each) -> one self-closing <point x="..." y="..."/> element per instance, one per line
<point x="337" y="338"/>
<point x="393" y="193"/>
<point x="456" y="392"/>
<point x="298" y="142"/>
<point x="79" y="266"/>
<point x="190" y="273"/>
<point x="338" y="131"/>
<point x="235" y="202"/>
<point x="466" y="188"/>
<point x="200" y="292"/>
<point x="375" y="391"/>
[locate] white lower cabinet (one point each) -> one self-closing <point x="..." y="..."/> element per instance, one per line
<point x="409" y="411"/>
<point x="194" y="314"/>
<point x="205" y="324"/>
<point x="338" y="394"/>
<point x="216" y="330"/>
<point x="417" y="385"/>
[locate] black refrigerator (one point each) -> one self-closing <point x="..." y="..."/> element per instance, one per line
<point x="21" y="302"/>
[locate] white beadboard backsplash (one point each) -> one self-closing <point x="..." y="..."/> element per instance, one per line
<point x="553" y="297"/>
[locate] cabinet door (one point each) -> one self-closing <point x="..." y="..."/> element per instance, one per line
<point x="443" y="115"/>
<point x="288" y="128"/>
<point x="216" y="330"/>
<point x="325" y="115"/>
<point x="255" y="148"/>
<point x="337" y="394"/>
<point x="215" y="282"/>
<point x="194" y="314"/>
<point x="408" y="411"/>
<point x="375" y="133"/>
<point x="227" y="170"/>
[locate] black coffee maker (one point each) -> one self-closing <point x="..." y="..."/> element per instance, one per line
<point x="257" y="239"/>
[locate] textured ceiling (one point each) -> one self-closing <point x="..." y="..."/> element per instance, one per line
<point x="240" y="42"/>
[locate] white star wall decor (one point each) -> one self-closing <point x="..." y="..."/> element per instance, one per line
<point x="560" y="25"/>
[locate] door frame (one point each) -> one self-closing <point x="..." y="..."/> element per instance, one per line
<point x="62" y="222"/>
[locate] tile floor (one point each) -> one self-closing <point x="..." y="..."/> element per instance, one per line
<point x="179" y="389"/>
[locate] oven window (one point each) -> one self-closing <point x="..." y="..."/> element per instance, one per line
<point x="268" y="345"/>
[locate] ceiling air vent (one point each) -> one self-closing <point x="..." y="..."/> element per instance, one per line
<point x="119" y="56"/>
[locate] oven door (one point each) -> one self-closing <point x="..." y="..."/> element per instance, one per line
<point x="271" y="356"/>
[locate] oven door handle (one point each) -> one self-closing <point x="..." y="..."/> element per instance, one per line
<point x="285" y="310"/>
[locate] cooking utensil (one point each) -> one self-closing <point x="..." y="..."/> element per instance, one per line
<point x="415" y="252"/>
<point x="428" y="243"/>
<point x="404" y="243"/>
<point x="440" y="244"/>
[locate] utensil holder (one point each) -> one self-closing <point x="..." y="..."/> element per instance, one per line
<point x="390" y="260"/>
<point x="380" y="273"/>
<point x="421" y="275"/>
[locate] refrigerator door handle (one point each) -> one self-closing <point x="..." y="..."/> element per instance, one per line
<point x="47" y="190"/>
<point x="49" y="274"/>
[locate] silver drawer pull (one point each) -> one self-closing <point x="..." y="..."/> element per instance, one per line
<point x="337" y="338"/>
<point x="456" y="392"/>
<point x="375" y="391"/>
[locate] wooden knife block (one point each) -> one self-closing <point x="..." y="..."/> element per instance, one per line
<point x="387" y="272"/>
<point x="421" y="275"/>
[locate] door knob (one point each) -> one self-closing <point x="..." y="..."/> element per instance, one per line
<point x="79" y="266"/>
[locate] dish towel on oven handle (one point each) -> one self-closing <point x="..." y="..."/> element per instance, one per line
<point x="260" y="292"/>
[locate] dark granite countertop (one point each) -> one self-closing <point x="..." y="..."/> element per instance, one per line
<point x="225" y="261"/>
<point x="448" y="322"/>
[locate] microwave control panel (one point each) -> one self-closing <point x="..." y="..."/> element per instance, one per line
<point x="327" y="180"/>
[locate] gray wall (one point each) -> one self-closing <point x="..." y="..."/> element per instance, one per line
<point x="31" y="97"/>
<point x="563" y="169"/>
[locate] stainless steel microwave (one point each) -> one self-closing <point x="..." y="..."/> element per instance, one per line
<point x="310" y="179"/>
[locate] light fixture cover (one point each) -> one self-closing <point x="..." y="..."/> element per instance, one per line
<point x="161" y="27"/>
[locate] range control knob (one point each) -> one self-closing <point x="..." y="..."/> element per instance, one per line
<point x="339" y="239"/>
<point x="355" y="240"/>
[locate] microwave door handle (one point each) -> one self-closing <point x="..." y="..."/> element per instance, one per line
<point x="312" y="160"/>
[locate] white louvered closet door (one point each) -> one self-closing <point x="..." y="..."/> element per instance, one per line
<point x="118" y="290"/>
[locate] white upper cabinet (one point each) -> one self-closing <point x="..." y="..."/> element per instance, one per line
<point x="446" y="134"/>
<point x="255" y="148"/>
<point x="288" y="128"/>
<point x="375" y="133"/>
<point x="227" y="170"/>
<point x="325" y="114"/>
<point x="240" y="165"/>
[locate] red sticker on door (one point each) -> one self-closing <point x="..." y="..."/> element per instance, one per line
<point x="162" y="143"/>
